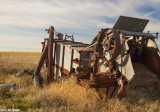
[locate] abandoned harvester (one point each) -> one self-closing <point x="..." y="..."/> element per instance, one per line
<point x="117" y="56"/>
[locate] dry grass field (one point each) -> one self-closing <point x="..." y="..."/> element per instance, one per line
<point x="64" y="95"/>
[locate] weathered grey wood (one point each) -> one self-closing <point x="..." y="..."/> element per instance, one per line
<point x="7" y="87"/>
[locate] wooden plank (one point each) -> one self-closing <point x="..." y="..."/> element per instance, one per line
<point x="63" y="58"/>
<point x="50" y="54"/>
<point x="71" y="61"/>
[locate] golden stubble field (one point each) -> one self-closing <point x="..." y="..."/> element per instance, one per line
<point x="64" y="95"/>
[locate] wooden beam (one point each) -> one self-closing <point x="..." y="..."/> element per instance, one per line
<point x="72" y="53"/>
<point x="50" y="76"/>
<point x="43" y="57"/>
<point x="63" y="58"/>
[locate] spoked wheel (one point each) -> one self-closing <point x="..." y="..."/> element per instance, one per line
<point x="109" y="44"/>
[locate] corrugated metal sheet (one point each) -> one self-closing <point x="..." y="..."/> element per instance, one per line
<point x="130" y="24"/>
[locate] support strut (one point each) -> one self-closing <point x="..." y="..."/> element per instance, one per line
<point x="50" y="76"/>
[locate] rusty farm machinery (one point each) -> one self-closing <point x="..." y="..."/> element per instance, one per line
<point x="116" y="57"/>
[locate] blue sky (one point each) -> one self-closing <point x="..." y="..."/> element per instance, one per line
<point x="23" y="22"/>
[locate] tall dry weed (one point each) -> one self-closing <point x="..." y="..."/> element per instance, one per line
<point x="65" y="95"/>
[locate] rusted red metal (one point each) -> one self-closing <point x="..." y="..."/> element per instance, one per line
<point x="91" y="49"/>
<point x="41" y="61"/>
<point x="76" y="62"/>
<point x="65" y="71"/>
<point x="50" y="76"/>
<point x="91" y="77"/>
<point x="63" y="59"/>
<point x="152" y="60"/>
<point x="87" y="59"/>
<point x="71" y="68"/>
<point x="43" y="44"/>
<point x="112" y="44"/>
<point x="122" y="91"/>
<point x="67" y="37"/>
<point x="85" y="83"/>
<point x="67" y="42"/>
<point x="93" y="68"/>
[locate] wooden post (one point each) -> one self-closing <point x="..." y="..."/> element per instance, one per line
<point x="50" y="76"/>
<point x="54" y="58"/>
<point x="63" y="59"/>
<point x="80" y="57"/>
<point x="72" y="53"/>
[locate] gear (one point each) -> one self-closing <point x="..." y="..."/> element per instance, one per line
<point x="109" y="44"/>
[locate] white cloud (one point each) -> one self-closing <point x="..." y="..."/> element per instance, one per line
<point x="84" y="16"/>
<point x="62" y="13"/>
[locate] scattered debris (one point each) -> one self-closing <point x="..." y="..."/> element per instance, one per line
<point x="26" y="71"/>
<point x="20" y="74"/>
<point x="36" y="80"/>
<point x="7" y="87"/>
<point x="29" y="71"/>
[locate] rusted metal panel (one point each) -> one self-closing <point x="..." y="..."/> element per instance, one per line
<point x="66" y="41"/>
<point x="152" y="44"/>
<point x="58" y="59"/>
<point x="65" y="71"/>
<point x="130" y="24"/>
<point x="57" y="73"/>
<point x="91" y="49"/>
<point x="124" y="63"/>
<point x="68" y="54"/>
<point x="152" y="60"/>
<point x="76" y="56"/>
<point x="103" y="68"/>
<point x="85" y="55"/>
<point x="143" y="75"/>
<point x="67" y="58"/>
<point x="73" y="43"/>
<point x="129" y="33"/>
<point x="78" y="46"/>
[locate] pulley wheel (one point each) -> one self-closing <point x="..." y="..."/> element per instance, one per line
<point x="109" y="44"/>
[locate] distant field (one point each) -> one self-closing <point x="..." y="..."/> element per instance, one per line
<point x="64" y="95"/>
<point x="19" y="60"/>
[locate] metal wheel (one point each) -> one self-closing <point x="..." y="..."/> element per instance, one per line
<point x="109" y="44"/>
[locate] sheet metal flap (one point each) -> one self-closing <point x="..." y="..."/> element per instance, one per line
<point x="130" y="24"/>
